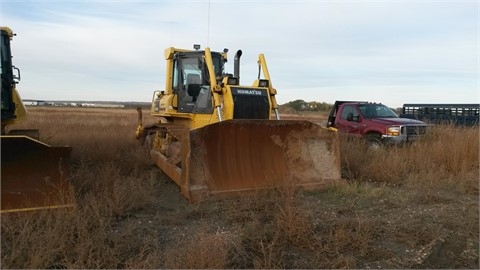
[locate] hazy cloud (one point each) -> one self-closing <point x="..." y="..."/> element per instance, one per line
<point x="386" y="51"/>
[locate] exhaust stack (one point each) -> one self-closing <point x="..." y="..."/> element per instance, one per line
<point x="236" y="65"/>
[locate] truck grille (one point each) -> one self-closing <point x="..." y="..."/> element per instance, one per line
<point x="414" y="130"/>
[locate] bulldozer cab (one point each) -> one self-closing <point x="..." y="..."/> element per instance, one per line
<point x="8" y="79"/>
<point x="190" y="83"/>
<point x="197" y="83"/>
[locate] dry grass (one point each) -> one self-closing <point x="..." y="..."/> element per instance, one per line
<point x="109" y="182"/>
<point x="202" y="250"/>
<point x="406" y="207"/>
<point x="448" y="157"/>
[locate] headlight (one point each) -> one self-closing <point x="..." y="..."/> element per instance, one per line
<point x="232" y="81"/>
<point x="393" y="131"/>
<point x="263" y="83"/>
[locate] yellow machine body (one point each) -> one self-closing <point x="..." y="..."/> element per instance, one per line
<point x="215" y="135"/>
<point x="34" y="175"/>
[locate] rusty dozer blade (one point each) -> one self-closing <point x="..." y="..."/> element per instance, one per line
<point x="34" y="175"/>
<point x="240" y="155"/>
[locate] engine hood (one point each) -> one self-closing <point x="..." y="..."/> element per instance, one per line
<point x="396" y="121"/>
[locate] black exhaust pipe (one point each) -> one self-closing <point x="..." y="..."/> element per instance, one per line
<point x="236" y="65"/>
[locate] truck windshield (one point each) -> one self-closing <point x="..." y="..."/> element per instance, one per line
<point x="376" y="111"/>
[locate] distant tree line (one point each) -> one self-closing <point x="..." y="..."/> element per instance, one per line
<point x="302" y="105"/>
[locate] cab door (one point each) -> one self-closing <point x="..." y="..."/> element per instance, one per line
<point x="348" y="122"/>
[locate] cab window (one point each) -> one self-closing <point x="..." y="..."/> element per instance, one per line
<point x="348" y="110"/>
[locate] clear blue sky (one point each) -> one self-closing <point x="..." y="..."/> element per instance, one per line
<point x="392" y="52"/>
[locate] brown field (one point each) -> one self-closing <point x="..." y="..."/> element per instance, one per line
<point x="412" y="207"/>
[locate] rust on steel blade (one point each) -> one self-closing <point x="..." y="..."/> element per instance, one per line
<point x="251" y="154"/>
<point x="34" y="175"/>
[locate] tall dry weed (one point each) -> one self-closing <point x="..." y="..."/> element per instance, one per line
<point x="293" y="223"/>
<point x="202" y="250"/>
<point x="446" y="153"/>
<point x="67" y="238"/>
<point x="268" y="254"/>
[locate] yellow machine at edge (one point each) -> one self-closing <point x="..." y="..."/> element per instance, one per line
<point x="217" y="136"/>
<point x="34" y="175"/>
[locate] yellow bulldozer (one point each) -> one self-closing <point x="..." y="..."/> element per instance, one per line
<point x="34" y="175"/>
<point x="216" y="136"/>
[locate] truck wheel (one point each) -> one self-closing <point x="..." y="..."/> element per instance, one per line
<point x="374" y="141"/>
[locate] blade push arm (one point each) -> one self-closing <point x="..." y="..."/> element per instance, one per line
<point x="272" y="91"/>
<point x="215" y="88"/>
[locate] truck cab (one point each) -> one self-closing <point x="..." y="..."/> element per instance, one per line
<point x="374" y="122"/>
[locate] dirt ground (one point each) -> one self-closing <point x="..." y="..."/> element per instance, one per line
<point x="385" y="227"/>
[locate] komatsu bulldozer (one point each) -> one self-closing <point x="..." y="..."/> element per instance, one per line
<point x="33" y="174"/>
<point x="216" y="136"/>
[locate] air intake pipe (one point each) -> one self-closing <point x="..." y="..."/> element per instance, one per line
<point x="236" y="65"/>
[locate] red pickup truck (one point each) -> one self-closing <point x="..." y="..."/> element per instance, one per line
<point x="375" y="122"/>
